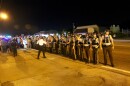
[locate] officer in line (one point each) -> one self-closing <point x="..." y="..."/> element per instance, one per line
<point x="63" y="44"/>
<point x="68" y="44"/>
<point x="86" y="46"/>
<point x="56" y="43"/>
<point x="95" y="47"/>
<point x="78" y="46"/>
<point x="41" y="47"/>
<point x="72" y="48"/>
<point x="107" y="45"/>
<point x="50" y="42"/>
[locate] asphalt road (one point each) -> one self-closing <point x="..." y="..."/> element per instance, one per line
<point x="56" y="70"/>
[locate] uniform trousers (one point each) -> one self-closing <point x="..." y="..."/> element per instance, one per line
<point x="108" y="49"/>
<point x="41" y="48"/>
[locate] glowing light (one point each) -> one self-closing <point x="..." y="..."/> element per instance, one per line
<point x="3" y="16"/>
<point x="46" y="35"/>
<point x="9" y="36"/>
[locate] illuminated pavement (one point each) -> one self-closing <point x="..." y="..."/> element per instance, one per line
<point x="55" y="70"/>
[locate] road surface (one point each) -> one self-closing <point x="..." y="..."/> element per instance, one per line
<point x="56" y="70"/>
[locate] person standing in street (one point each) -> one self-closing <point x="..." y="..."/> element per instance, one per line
<point x="107" y="45"/>
<point x="50" y="42"/>
<point x="14" y="47"/>
<point x="41" y="47"/>
<point x="86" y="46"/>
<point x="95" y="48"/>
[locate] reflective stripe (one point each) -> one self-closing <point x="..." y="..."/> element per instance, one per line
<point x="95" y="46"/>
<point x="106" y="44"/>
<point x="86" y="44"/>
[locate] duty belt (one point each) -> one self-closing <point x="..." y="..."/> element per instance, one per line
<point x="107" y="44"/>
<point x="86" y="44"/>
<point x="95" y="46"/>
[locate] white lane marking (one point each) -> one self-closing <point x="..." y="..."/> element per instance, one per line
<point x="125" y="71"/>
<point x="122" y="40"/>
<point x="122" y="45"/>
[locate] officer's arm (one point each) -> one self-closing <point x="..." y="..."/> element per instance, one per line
<point x="112" y="41"/>
<point x="100" y="42"/>
<point x="90" y="43"/>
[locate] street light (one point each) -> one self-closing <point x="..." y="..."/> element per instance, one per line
<point x="3" y="16"/>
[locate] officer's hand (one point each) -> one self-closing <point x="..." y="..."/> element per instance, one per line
<point x="113" y="48"/>
<point x="100" y="48"/>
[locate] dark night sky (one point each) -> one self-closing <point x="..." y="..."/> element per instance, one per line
<point x="60" y="14"/>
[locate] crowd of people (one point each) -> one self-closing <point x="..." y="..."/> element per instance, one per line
<point x="74" y="46"/>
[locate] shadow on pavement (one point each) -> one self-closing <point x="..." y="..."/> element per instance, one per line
<point x="8" y="83"/>
<point x="21" y="63"/>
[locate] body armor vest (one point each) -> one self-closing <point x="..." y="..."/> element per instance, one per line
<point x="94" y="41"/>
<point x="106" y="39"/>
<point x="86" y="41"/>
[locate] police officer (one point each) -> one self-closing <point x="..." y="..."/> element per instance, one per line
<point x="14" y="47"/>
<point x="86" y="46"/>
<point x="72" y="48"/>
<point x="107" y="45"/>
<point x="42" y="46"/>
<point x="68" y="44"/>
<point x="50" y="42"/>
<point x="63" y="44"/>
<point x="79" y="42"/>
<point x="56" y="43"/>
<point x="95" y="47"/>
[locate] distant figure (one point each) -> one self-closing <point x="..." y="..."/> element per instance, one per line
<point x="3" y="45"/>
<point x="14" y="47"/>
<point x="25" y="42"/>
<point x="9" y="46"/>
<point x="29" y="43"/>
<point x="41" y="47"/>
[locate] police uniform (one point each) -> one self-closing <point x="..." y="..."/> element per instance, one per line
<point x="50" y="43"/>
<point x="63" y="45"/>
<point x="79" y="47"/>
<point x="56" y="43"/>
<point x="86" y="48"/>
<point x="107" y="44"/>
<point x="72" y="48"/>
<point x="14" y="47"/>
<point x="95" y="47"/>
<point x="68" y="46"/>
<point x="42" y="46"/>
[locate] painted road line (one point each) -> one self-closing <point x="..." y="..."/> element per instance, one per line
<point x="122" y="40"/>
<point x="117" y="70"/>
